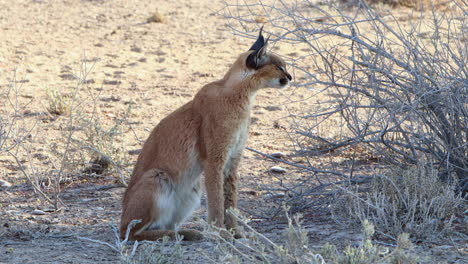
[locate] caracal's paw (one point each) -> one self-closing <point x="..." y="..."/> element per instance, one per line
<point x="190" y="234"/>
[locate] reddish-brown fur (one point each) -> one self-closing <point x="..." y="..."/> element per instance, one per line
<point x="206" y="134"/>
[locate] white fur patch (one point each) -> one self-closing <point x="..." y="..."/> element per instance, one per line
<point x="176" y="204"/>
<point x="175" y="207"/>
<point x="239" y="137"/>
<point x="166" y="208"/>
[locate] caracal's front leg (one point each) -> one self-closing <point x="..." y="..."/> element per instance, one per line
<point x="214" y="191"/>
<point x="230" y="193"/>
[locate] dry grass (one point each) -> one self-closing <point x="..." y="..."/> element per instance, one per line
<point x="74" y="136"/>
<point x="104" y="143"/>
<point x="257" y="248"/>
<point x="162" y="252"/>
<point x="409" y="201"/>
<point x="368" y="252"/>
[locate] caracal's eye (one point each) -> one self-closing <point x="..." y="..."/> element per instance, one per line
<point x="282" y="68"/>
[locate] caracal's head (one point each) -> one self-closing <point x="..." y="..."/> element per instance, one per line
<point x="269" y="68"/>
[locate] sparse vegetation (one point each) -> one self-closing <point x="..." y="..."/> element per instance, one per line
<point x="368" y="252"/>
<point x="412" y="201"/>
<point x="13" y="129"/>
<point x="163" y="252"/>
<point x="104" y="147"/>
<point x="396" y="95"/>
<point x="257" y="248"/>
<point x="82" y="139"/>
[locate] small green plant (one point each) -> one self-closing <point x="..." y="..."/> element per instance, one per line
<point x="297" y="240"/>
<point x="368" y="252"/>
<point x="57" y="102"/>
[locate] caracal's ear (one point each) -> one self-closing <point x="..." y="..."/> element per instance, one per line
<point x="259" y="54"/>
<point x="259" y="42"/>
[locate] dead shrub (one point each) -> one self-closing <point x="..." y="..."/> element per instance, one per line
<point x="79" y="128"/>
<point x="104" y="143"/>
<point x="416" y="4"/>
<point x="385" y="89"/>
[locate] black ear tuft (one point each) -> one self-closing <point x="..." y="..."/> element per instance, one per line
<point x="262" y="52"/>
<point x="257" y="57"/>
<point x="260" y="42"/>
<point x="252" y="61"/>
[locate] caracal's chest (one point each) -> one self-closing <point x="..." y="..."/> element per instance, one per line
<point x="241" y="131"/>
<point x="236" y="145"/>
<point x="238" y="138"/>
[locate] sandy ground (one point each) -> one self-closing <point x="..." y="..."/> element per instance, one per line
<point x="155" y="68"/>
